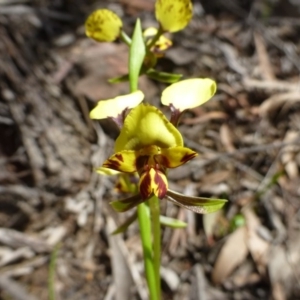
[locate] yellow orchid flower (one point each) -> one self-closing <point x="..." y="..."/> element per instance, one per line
<point x="149" y="144"/>
<point x="161" y="45"/>
<point x="103" y="25"/>
<point x="173" y="15"/>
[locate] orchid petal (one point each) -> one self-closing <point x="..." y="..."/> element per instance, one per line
<point x="173" y="15"/>
<point x="175" y="156"/>
<point x="113" y="108"/>
<point x="107" y="171"/>
<point x="123" y="161"/>
<point x="127" y="203"/>
<point x="153" y="182"/>
<point x="103" y="25"/>
<point x="189" y="93"/>
<point x="145" y="125"/>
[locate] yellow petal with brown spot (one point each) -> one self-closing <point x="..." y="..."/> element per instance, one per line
<point x="123" y="161"/>
<point x="175" y="156"/>
<point x="103" y="25"/>
<point x="153" y="182"/>
<point x="173" y="15"/>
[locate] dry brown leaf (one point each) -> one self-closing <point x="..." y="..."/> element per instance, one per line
<point x="270" y="85"/>
<point x="233" y="253"/>
<point x="216" y="177"/>
<point x="227" y="138"/>
<point x="209" y="224"/>
<point x="283" y="268"/>
<point x="181" y="56"/>
<point x="101" y="63"/>
<point x="125" y="271"/>
<point x="278" y="291"/>
<point x="121" y="274"/>
<point x="213" y="115"/>
<point x="289" y="153"/>
<point x="266" y="69"/>
<point x="135" y="6"/>
<point x="258" y="247"/>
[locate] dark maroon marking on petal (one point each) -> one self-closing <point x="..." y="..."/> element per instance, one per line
<point x="119" y="157"/>
<point x="162" y="187"/>
<point x="188" y="157"/>
<point x="144" y="186"/>
<point x="142" y="163"/>
<point x="118" y="187"/>
<point x="112" y="164"/>
<point x="161" y="160"/>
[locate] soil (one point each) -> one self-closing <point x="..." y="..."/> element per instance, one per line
<point x="55" y="221"/>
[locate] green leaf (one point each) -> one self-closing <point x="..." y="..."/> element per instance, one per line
<point x="170" y="222"/>
<point x="163" y="76"/>
<point x="198" y="205"/>
<point x="118" y="79"/>
<point x="136" y="55"/>
<point x="125" y="224"/>
<point x="237" y="221"/>
<point x="127" y="203"/>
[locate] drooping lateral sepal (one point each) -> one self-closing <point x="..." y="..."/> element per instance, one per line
<point x="153" y="182"/>
<point x="123" y="161"/>
<point x="127" y="203"/>
<point x="198" y="205"/>
<point x="123" y="227"/>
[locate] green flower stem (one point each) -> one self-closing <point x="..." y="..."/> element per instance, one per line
<point x="155" y="39"/>
<point x="145" y="231"/>
<point x="155" y="215"/>
<point x="136" y="57"/>
<point x="125" y="38"/>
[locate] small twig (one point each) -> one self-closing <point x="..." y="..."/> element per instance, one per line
<point x="14" y="289"/>
<point x="271" y="86"/>
<point x="263" y="57"/>
<point x="18" y="239"/>
<point x="16" y="9"/>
